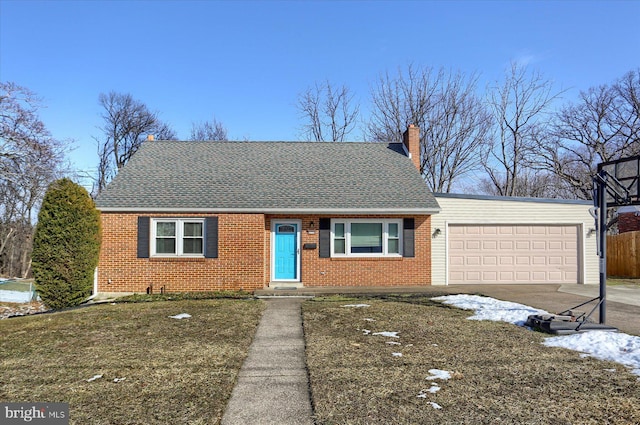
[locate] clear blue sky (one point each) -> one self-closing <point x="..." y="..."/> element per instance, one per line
<point x="246" y="61"/>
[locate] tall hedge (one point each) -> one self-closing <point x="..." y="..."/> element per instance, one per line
<point x="66" y="245"/>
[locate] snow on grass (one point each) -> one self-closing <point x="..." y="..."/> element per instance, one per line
<point x="614" y="346"/>
<point x="435" y="405"/>
<point x="356" y="305"/>
<point x="617" y="347"/>
<point x="387" y="334"/>
<point x="181" y="316"/>
<point x="487" y="308"/>
<point x="438" y="374"/>
<point x="94" y="377"/>
<point x="396" y="354"/>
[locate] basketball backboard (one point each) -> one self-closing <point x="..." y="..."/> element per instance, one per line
<point x="621" y="176"/>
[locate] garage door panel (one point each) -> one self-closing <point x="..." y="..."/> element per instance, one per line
<point x="491" y="245"/>
<point x="539" y="261"/>
<point x="473" y="245"/>
<point x="506" y="245"/>
<point x="489" y="260"/>
<point x="506" y="261"/>
<point x="513" y="254"/>
<point x="473" y="260"/>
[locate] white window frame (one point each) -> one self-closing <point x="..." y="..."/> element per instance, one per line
<point x="385" y="237"/>
<point x="180" y="222"/>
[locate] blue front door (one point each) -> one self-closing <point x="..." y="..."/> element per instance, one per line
<point x="286" y="251"/>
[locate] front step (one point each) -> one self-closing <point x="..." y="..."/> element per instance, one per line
<point x="284" y="290"/>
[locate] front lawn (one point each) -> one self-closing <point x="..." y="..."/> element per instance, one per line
<point x="148" y="367"/>
<point x="500" y="373"/>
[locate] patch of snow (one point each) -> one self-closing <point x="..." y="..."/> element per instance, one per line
<point x="367" y="319"/>
<point x="396" y="354"/>
<point x="94" y="378"/>
<point x="357" y="305"/>
<point x="181" y="316"/>
<point x="15" y="296"/>
<point x="435" y="405"/>
<point x="434" y="345"/>
<point x="438" y="374"/>
<point x="366" y="331"/>
<point x="614" y="346"/>
<point x="434" y="388"/>
<point x="387" y="334"/>
<point x="119" y="379"/>
<point x="487" y="308"/>
<point x="422" y="395"/>
<point x="394" y="343"/>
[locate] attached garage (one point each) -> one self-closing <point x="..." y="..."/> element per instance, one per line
<point x="498" y="240"/>
<point x="513" y="253"/>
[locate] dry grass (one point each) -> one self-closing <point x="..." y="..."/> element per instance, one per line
<point x="177" y="371"/>
<point x="503" y="374"/>
<point x="621" y="281"/>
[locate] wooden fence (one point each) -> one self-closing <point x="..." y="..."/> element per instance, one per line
<point x="623" y="255"/>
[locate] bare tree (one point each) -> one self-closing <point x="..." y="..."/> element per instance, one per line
<point x="126" y="123"/>
<point x="603" y="125"/>
<point x="30" y="158"/>
<point x="454" y="124"/>
<point x="521" y="109"/>
<point x="328" y="112"/>
<point x="458" y="129"/>
<point x="208" y="130"/>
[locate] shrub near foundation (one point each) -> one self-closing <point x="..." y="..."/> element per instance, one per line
<point x="66" y="245"/>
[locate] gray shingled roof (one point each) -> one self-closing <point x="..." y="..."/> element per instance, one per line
<point x="268" y="177"/>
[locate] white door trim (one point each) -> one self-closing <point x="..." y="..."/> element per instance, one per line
<point x="298" y="224"/>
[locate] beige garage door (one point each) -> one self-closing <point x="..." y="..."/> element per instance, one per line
<point x="513" y="254"/>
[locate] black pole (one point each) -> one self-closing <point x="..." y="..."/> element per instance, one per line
<point x="602" y="229"/>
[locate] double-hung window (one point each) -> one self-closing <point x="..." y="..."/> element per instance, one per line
<point x="366" y="238"/>
<point x="178" y="237"/>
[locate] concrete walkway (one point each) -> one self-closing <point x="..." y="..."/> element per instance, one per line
<point x="273" y="385"/>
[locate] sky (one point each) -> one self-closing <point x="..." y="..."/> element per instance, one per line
<point x="246" y="62"/>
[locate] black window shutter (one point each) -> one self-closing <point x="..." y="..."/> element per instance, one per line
<point x="325" y="238"/>
<point x="211" y="232"/>
<point x="408" y="237"/>
<point x="144" y="234"/>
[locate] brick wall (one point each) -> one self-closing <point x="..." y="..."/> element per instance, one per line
<point x="239" y="264"/>
<point x="316" y="271"/>
<point x="628" y="222"/>
<point x="244" y="253"/>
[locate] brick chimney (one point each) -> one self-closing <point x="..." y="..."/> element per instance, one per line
<point x="150" y="137"/>
<point x="411" y="140"/>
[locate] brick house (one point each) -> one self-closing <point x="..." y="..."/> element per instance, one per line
<point x="206" y="216"/>
<point x="628" y="219"/>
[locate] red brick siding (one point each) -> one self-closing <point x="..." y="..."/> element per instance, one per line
<point x="316" y="271"/>
<point x="239" y="264"/>
<point x="628" y="222"/>
<point x="244" y="258"/>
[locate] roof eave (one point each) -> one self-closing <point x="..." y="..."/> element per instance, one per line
<point x="363" y="211"/>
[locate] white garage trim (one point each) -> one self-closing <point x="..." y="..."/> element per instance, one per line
<point x="488" y="210"/>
